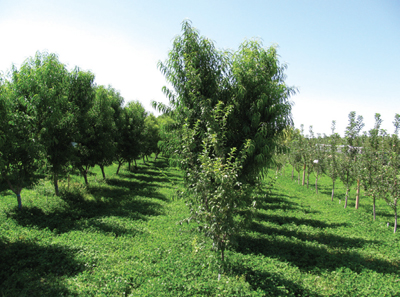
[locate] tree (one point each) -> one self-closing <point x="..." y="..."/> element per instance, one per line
<point x="232" y="108"/>
<point x="44" y="82"/>
<point x="130" y="126"/>
<point x="82" y="93"/>
<point x="108" y="107"/>
<point x="150" y="136"/>
<point x="332" y="158"/>
<point x="348" y="170"/>
<point x="19" y="149"/>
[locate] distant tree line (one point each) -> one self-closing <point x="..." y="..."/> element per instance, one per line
<point x="369" y="160"/>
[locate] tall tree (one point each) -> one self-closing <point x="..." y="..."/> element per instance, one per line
<point x="232" y="107"/>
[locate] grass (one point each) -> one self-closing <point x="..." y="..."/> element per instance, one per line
<point x="121" y="237"/>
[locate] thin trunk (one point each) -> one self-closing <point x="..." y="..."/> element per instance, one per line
<point x="129" y="165"/>
<point x="135" y="164"/>
<point x="144" y="161"/>
<point x="102" y="171"/>
<point x="316" y="183"/>
<point x="333" y="190"/>
<point x="395" y="215"/>
<point x="84" y="173"/>
<point x="373" y="206"/>
<point x="358" y="194"/>
<point x="20" y="203"/>
<point x="304" y="174"/>
<point x="298" y="178"/>
<point x="155" y="158"/>
<point x="119" y="166"/>
<point x="347" y="195"/>
<point x="292" y="172"/>
<point x="147" y="158"/>
<point x="17" y="191"/>
<point x="55" y="180"/>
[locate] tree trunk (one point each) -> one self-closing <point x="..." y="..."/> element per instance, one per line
<point x="333" y="190"/>
<point x="373" y="207"/>
<point x="304" y="174"/>
<point x="55" y="180"/>
<point x="316" y="183"/>
<point x="102" y="171"/>
<point x="17" y="192"/>
<point x="135" y="164"/>
<point x="144" y="161"/>
<point x="347" y="195"/>
<point x="292" y="172"/>
<point x="298" y="178"/>
<point x="119" y="166"/>
<point x="129" y="165"/>
<point x="358" y="194"/>
<point x="155" y="158"/>
<point x="395" y="215"/>
<point x="84" y="173"/>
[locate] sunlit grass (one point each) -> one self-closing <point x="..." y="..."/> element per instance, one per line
<point x="122" y="237"/>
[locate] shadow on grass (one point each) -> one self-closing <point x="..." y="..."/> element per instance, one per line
<point x="270" y="283"/>
<point x="78" y="208"/>
<point x="308" y="254"/>
<point x="283" y="220"/>
<point x="28" y="269"/>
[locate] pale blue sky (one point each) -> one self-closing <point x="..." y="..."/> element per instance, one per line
<point x="342" y="55"/>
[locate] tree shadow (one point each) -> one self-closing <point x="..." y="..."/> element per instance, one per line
<point x="273" y="201"/>
<point x="282" y="220"/>
<point x="331" y="240"/>
<point x="308" y="254"/>
<point x="274" y="284"/>
<point x="77" y="208"/>
<point x="29" y="269"/>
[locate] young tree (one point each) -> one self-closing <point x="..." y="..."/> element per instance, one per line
<point x="233" y="107"/>
<point x="348" y="170"/>
<point x="332" y="158"/>
<point x="371" y="163"/>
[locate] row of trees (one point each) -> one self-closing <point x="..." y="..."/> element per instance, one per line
<point x="370" y="160"/>
<point x="52" y="120"/>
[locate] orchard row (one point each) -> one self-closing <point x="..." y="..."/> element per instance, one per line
<point x="370" y="160"/>
<point x="53" y="120"/>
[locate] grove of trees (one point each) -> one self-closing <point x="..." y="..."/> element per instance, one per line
<point x="53" y="120"/>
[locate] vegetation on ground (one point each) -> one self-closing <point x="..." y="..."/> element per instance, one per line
<point x="121" y="237"/>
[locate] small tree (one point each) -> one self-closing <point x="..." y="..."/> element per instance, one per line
<point x="332" y="157"/>
<point x="348" y="171"/>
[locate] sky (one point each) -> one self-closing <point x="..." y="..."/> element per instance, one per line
<point x="342" y="55"/>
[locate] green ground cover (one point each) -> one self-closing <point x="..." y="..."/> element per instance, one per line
<point x="120" y="237"/>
